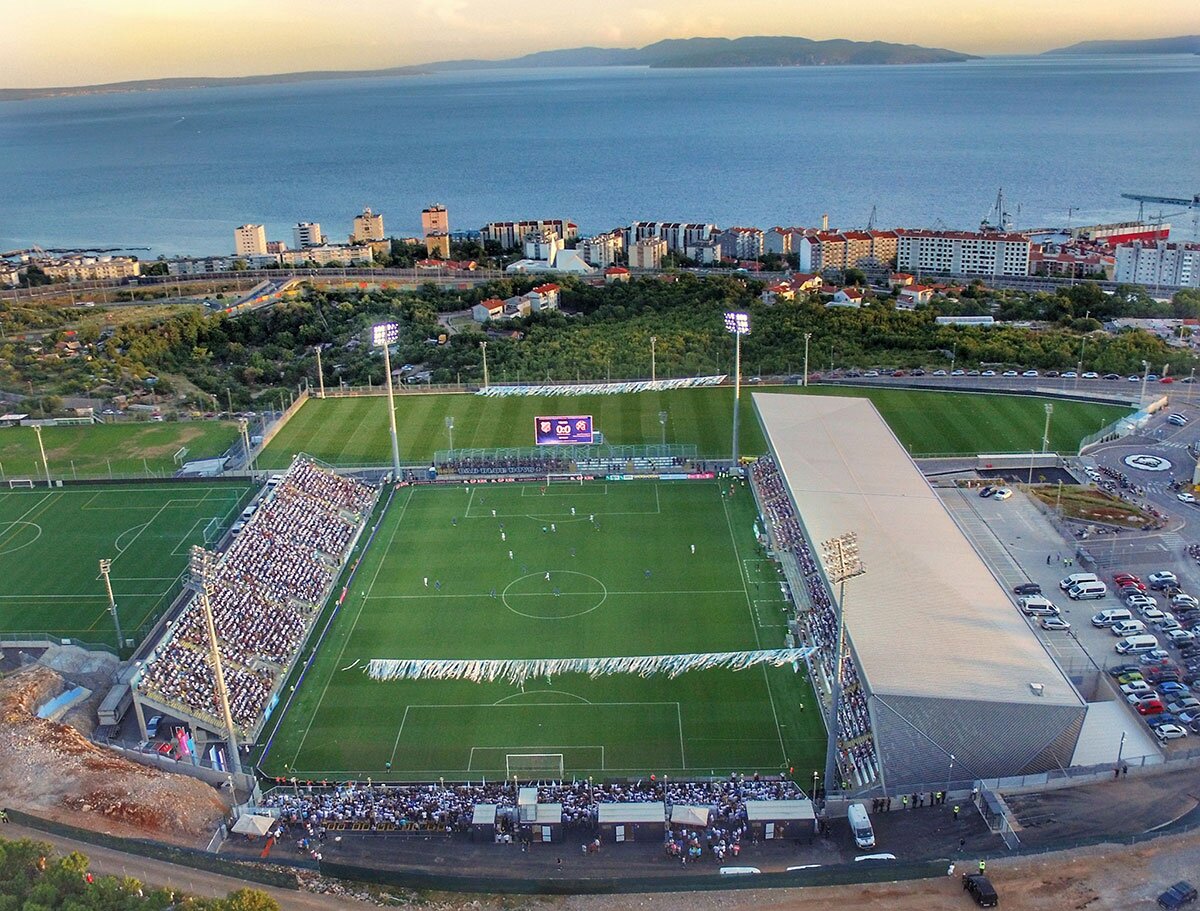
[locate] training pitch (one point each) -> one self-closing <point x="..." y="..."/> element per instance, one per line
<point x="354" y="431"/>
<point x="51" y="543"/>
<point x="438" y="582"/>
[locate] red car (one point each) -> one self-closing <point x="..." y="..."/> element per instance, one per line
<point x="1126" y="579"/>
<point x="1150" y="707"/>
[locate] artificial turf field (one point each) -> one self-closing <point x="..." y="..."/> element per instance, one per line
<point x="354" y="431"/>
<point x="627" y="584"/>
<point x="51" y="542"/>
<point x="111" y="450"/>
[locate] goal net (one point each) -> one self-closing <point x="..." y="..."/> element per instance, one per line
<point x="530" y="766"/>
<point x="212" y="531"/>
<point x="20" y="482"/>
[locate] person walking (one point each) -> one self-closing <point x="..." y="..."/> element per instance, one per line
<point x="956" y="812"/>
<point x="982" y="867"/>
<point x="426" y="581"/>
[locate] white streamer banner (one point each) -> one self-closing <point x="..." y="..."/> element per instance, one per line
<point x="518" y="670"/>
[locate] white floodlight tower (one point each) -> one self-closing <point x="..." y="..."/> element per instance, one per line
<point x="842" y="561"/>
<point x="200" y="571"/>
<point x="105" y="568"/>
<point x="739" y="325"/>
<point x="382" y="336"/>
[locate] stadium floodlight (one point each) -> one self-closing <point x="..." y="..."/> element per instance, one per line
<point x="653" y="368"/>
<point x="382" y="336"/>
<point x="37" y="429"/>
<point x="450" y="430"/>
<point x="105" y="567"/>
<point x="200" y="570"/>
<point x="842" y="561"/>
<point x="739" y="325"/>
<point x="662" y="421"/>
<point x="483" y="348"/>
<point x="1046" y="432"/>
<point x="807" y="338"/>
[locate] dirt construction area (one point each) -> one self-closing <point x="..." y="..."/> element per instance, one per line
<point x="52" y="770"/>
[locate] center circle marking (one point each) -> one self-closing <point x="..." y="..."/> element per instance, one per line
<point x="563" y="602"/>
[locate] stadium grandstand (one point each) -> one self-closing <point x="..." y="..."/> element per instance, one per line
<point x="266" y="592"/>
<point x="942" y="676"/>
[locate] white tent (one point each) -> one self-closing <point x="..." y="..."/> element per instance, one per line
<point x="689" y="816"/>
<point x="253" y="825"/>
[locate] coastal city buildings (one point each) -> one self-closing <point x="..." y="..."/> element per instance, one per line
<point x="511" y="234"/>
<point x="543" y="245"/>
<point x="367" y="227"/>
<point x="603" y="249"/>
<point x="327" y="254"/>
<point x="962" y="252"/>
<point x="1072" y="261"/>
<point x="250" y="240"/>
<point x="91" y="268"/>
<point x="308" y="234"/>
<point x="647" y="253"/>
<point x="1159" y="263"/>
<point x="677" y="235"/>
<point x="207" y="265"/>
<point x="435" y="228"/>
<point x="741" y="243"/>
<point x="843" y="250"/>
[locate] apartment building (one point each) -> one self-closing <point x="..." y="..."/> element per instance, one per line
<point x="647" y="253"/>
<point x="741" y="243"/>
<point x="963" y="253"/>
<point x="250" y="240"/>
<point x="327" y="254"/>
<point x="705" y="252"/>
<point x="91" y="268"/>
<point x="782" y="241"/>
<point x="511" y="234"/>
<point x="308" y="234"/>
<point x="843" y="250"/>
<point x="543" y="245"/>
<point x="677" y="235"/>
<point x="435" y="220"/>
<point x="602" y="250"/>
<point x="1159" y="263"/>
<point x="367" y="227"/>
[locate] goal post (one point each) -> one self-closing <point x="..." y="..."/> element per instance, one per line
<point x="20" y="482"/>
<point x="533" y="766"/>
<point x="212" y="531"/>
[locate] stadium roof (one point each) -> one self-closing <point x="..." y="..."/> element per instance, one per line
<point x="928" y="618"/>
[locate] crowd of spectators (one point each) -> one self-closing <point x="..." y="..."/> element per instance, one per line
<point x="819" y="626"/>
<point x="450" y="808"/>
<point x="264" y="592"/>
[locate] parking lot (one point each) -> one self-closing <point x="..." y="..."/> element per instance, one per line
<point x="1023" y="544"/>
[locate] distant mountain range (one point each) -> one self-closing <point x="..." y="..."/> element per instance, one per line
<point x="679" y="53"/>
<point x="1184" y="44"/>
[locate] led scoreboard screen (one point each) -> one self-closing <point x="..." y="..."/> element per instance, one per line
<point x="563" y="431"/>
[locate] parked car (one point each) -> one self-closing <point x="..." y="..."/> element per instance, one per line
<point x="1168" y="625"/>
<point x="1011" y="373"/>
<point x="152" y="726"/>
<point x="939" y="373"/>
<point x="1122" y="578"/>
<point x="1174" y="688"/>
<point x="1159" y="579"/>
<point x="1091" y="375"/>
<point x="1180" y="894"/>
<point x="1148" y="695"/>
<point x="980" y="888"/>
<point x="1170" y="732"/>
<point x="1176" y="419"/>
<point x="1054" y="623"/>
<point x="1003" y="493"/>
<point x="1150" y="707"/>
<point x="1068" y="375"/>
<point x="1164" y="718"/>
<point x="1027" y="588"/>
<point x="1184" y="704"/>
<point x="1037" y="606"/>
<point x="988" y="373"/>
<point x="1182" y="600"/>
<point x="1130" y="676"/>
<point x="1121" y="670"/>
<point x="986" y="492"/>
<point x="1180" y="636"/>
<point x="1137" y="688"/>
<point x="1185" y="497"/>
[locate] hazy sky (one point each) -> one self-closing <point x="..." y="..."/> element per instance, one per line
<point x="69" y="42"/>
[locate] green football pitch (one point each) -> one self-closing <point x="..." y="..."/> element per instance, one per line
<point x="111" y="450"/>
<point x="354" y="431"/>
<point x="51" y="542"/>
<point x="439" y="582"/>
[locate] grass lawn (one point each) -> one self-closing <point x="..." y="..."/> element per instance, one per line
<point x="107" y="450"/>
<point x="51" y="542"/>
<point x="353" y="431"/>
<point x="627" y="584"/>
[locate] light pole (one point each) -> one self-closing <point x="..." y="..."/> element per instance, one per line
<point x="1046" y="431"/>
<point x="37" y="428"/>
<point x="320" y="373"/>
<point x="653" y="365"/>
<point x="949" y="774"/>
<point x="807" y="338"/>
<point x="450" y="430"/>
<point x="1191" y="382"/>
<point x="483" y="348"/>
<point x="105" y="566"/>
<point x="662" y="421"/>
<point x="244" y="430"/>
<point x="1121" y="748"/>
<point x="382" y="336"/>
<point x="200" y="567"/>
<point x="842" y="562"/>
<point x="739" y="325"/>
<point x="1145" y="378"/>
<point x="953" y="356"/>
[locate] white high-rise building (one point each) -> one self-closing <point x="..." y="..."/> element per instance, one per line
<point x="1159" y="263"/>
<point x="250" y="240"/>
<point x="961" y="253"/>
<point x="308" y="234"/>
<point x="543" y="245"/>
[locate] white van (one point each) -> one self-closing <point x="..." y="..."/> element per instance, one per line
<point x="1136" y="645"/>
<point x="1037" y="606"/>
<point x="1128" y="628"/>
<point x="1085" y="591"/>
<point x="248" y="512"/>
<point x="860" y="825"/>
<point x="1077" y="579"/>
<point x="1109" y="617"/>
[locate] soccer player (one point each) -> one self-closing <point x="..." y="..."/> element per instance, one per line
<point x="547" y="577"/>
<point x="510" y="556"/>
<point x="693" y="548"/>
<point x="426" y="580"/>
